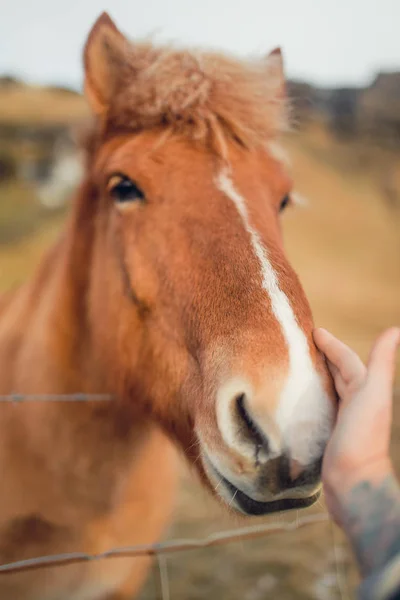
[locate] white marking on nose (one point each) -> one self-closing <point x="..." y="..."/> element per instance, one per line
<point x="304" y="413"/>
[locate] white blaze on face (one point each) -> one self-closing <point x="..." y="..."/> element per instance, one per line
<point x="304" y="412"/>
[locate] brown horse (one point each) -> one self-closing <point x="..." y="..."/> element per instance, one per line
<point x="170" y="291"/>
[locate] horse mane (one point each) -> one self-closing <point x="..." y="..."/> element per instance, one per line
<point x="201" y="95"/>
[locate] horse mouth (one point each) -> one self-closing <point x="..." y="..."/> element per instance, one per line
<point x="252" y="507"/>
<point x="303" y="495"/>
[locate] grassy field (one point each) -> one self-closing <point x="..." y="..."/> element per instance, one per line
<point x="345" y="245"/>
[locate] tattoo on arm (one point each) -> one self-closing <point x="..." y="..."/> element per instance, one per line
<point x="373" y="522"/>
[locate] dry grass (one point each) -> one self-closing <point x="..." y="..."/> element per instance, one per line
<point x="345" y="246"/>
<point x="16" y="264"/>
<point x="21" y="214"/>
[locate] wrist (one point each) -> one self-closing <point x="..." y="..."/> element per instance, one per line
<point x="341" y="483"/>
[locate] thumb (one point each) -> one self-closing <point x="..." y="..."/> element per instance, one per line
<point x="382" y="363"/>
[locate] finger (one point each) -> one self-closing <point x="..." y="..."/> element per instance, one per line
<point x="382" y="362"/>
<point x="340" y="385"/>
<point x="334" y="371"/>
<point x="350" y="366"/>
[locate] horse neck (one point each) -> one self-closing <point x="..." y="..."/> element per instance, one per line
<point x="57" y="296"/>
<point x="64" y="284"/>
<point x="54" y="354"/>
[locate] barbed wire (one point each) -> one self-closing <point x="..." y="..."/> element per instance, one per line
<point x="159" y="550"/>
<point x="180" y="545"/>
<point x="77" y="397"/>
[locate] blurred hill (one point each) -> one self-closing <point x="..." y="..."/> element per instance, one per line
<point x="35" y="106"/>
<point x="347" y="110"/>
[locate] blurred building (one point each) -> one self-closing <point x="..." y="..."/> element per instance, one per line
<point x="379" y="109"/>
<point x="36" y="144"/>
<point x="372" y="112"/>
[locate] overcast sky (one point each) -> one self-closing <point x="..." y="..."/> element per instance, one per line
<point x="325" y="41"/>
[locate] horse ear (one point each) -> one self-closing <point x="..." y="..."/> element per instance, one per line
<point x="276" y="74"/>
<point x="105" y="52"/>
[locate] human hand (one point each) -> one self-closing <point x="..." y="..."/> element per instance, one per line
<point x="359" y="447"/>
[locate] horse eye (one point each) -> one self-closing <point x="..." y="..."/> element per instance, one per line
<point x="284" y="203"/>
<point x="122" y="189"/>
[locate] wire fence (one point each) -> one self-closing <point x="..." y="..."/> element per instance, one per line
<point x="163" y="548"/>
<point x="79" y="397"/>
<point x="159" y="550"/>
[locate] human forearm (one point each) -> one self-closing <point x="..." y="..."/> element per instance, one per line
<point x="370" y="513"/>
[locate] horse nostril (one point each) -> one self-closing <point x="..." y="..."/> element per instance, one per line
<point x="249" y="427"/>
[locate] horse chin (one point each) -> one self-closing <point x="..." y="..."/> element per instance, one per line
<point x="238" y="501"/>
<point x="248" y="506"/>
